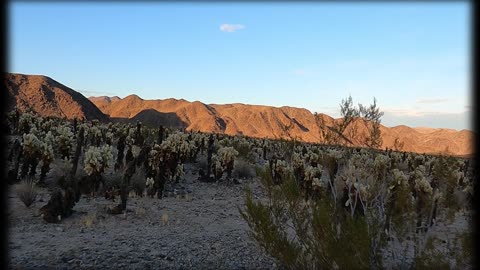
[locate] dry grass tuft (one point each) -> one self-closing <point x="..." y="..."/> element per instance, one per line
<point x="140" y="211"/>
<point x="165" y="219"/>
<point x="27" y="191"/>
<point x="89" y="220"/>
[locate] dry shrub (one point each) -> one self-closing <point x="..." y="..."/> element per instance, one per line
<point x="201" y="162"/>
<point x="60" y="168"/>
<point x="138" y="182"/>
<point x="243" y="169"/>
<point x="27" y="191"/>
<point x="112" y="180"/>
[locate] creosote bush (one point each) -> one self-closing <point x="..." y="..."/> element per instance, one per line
<point x="305" y="234"/>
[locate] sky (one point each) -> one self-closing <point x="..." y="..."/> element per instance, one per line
<point x="414" y="58"/>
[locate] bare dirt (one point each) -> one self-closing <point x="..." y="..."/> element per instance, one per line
<point x="201" y="229"/>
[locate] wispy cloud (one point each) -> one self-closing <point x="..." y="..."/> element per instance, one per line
<point x="95" y="93"/>
<point x="231" y="27"/>
<point x="412" y="112"/>
<point x="432" y="100"/>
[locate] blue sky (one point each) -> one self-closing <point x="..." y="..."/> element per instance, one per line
<point x="413" y="57"/>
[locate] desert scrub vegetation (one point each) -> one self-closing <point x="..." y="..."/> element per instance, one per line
<point x="327" y="205"/>
<point x="365" y="215"/>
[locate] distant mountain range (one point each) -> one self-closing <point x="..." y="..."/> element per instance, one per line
<point x="48" y="97"/>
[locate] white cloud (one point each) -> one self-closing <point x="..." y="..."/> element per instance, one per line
<point x="231" y="27"/>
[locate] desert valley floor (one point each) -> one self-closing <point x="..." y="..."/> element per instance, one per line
<point x="202" y="229"/>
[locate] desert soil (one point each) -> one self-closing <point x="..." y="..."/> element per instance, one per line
<point x="200" y="230"/>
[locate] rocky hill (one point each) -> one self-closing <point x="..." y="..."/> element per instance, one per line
<point x="47" y="97"/>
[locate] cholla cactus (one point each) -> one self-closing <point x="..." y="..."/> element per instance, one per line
<point x="46" y="150"/>
<point x="155" y="156"/>
<point x="381" y="162"/>
<point x="312" y="158"/>
<point x="227" y="154"/>
<point x="298" y="166"/>
<point x="399" y="178"/>
<point x="64" y="140"/>
<point x="31" y="144"/>
<point x="227" y="157"/>
<point x="281" y="169"/>
<point x="419" y="159"/>
<point x="95" y="135"/>
<point x="130" y="135"/>
<point x="25" y="122"/>
<point x="49" y="139"/>
<point x="150" y="182"/>
<point x="179" y="172"/>
<point x="47" y="125"/>
<point x="312" y="172"/>
<point x="97" y="159"/>
<point x="225" y="142"/>
<point x="217" y="167"/>
<point x="422" y="184"/>
<point x="31" y="151"/>
<point x="337" y="154"/>
<point x="109" y="137"/>
<point x="319" y="183"/>
<point x="35" y="131"/>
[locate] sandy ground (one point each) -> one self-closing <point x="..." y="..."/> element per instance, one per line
<point x="202" y="230"/>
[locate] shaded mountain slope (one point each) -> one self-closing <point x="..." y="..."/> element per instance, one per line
<point x="47" y="97"/>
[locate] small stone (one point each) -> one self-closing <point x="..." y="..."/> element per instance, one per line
<point x="59" y="229"/>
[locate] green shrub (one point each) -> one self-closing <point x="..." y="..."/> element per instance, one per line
<point x="304" y="234"/>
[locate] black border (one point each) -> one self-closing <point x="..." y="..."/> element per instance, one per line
<point x="474" y="125"/>
<point x="4" y="14"/>
<point x="3" y="97"/>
